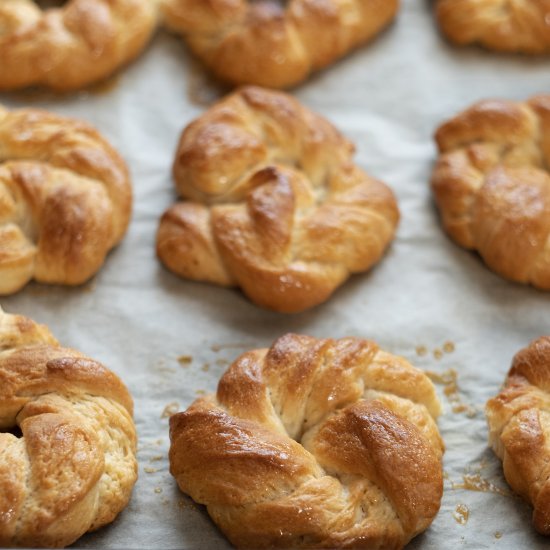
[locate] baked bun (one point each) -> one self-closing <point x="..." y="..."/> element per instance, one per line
<point x="72" y="46"/>
<point x="519" y="428"/>
<point x="314" y="444"/>
<point x="519" y="26"/>
<point x="492" y="186"/>
<point x="65" y="199"/>
<point x="274" y="203"/>
<point x="268" y="44"/>
<point x="73" y="466"/>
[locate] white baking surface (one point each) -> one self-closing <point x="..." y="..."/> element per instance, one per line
<point x="137" y="318"/>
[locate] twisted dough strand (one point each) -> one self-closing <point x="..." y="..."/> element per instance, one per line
<point x="314" y="443"/>
<point x="502" y="25"/>
<point x="65" y="199"/>
<point x="269" y="45"/>
<point x="276" y="204"/>
<point x="492" y="185"/>
<point x="72" y="46"/>
<point x="74" y="466"/>
<point x="519" y="428"/>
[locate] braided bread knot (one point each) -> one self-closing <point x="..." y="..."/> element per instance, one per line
<point x="73" y="468"/>
<point x="492" y="185"/>
<point x="519" y="420"/>
<point x="65" y="199"/>
<point x="314" y="443"/>
<point x="275" y="203"/>
<point x="264" y="43"/>
<point x="69" y="47"/>
<point x="501" y="25"/>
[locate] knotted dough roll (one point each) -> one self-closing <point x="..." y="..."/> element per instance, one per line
<point x="71" y="46"/>
<point x="274" y="203"/>
<point x="501" y="25"/>
<point x="519" y="428"/>
<point x="72" y="467"/>
<point x="492" y="185"/>
<point x="314" y="444"/>
<point x="65" y="199"/>
<point x="268" y="44"/>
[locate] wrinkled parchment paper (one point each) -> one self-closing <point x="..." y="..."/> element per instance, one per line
<point x="428" y="300"/>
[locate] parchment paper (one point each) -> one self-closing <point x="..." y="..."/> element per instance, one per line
<point x="138" y="319"/>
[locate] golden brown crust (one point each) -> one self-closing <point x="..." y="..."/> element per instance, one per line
<point x="519" y="428"/>
<point x="74" y="467"/>
<point x="307" y="445"/>
<point x="70" y="47"/>
<point x="275" y="203"/>
<point x="492" y="186"/>
<point x="65" y="199"/>
<point x="266" y="44"/>
<point x="519" y="26"/>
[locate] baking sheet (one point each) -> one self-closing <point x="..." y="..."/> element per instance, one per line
<point x="427" y="296"/>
